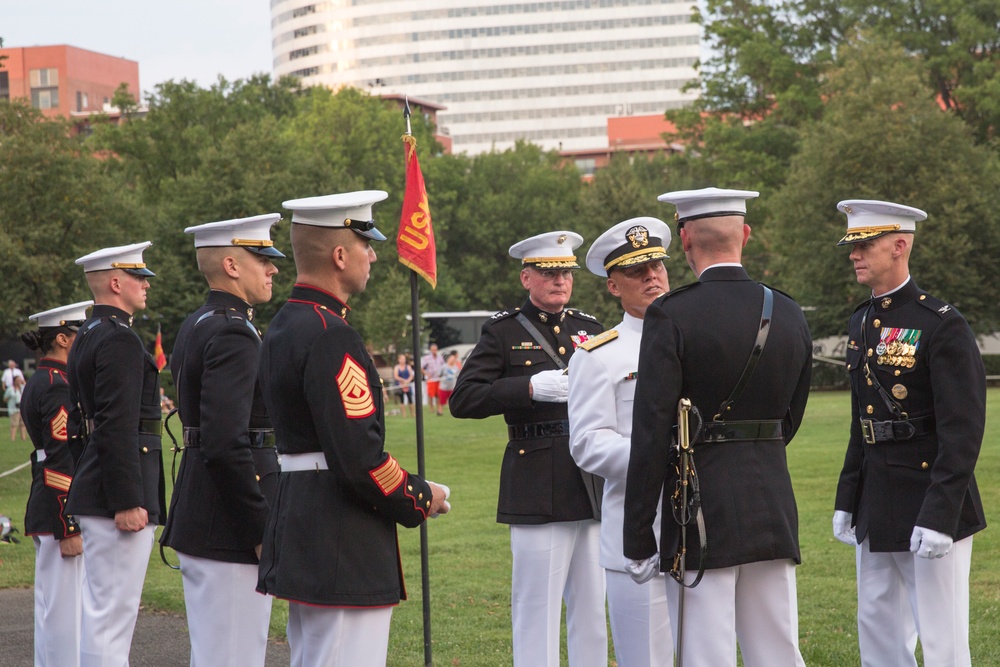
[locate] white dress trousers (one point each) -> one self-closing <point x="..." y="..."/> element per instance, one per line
<point x="553" y="562"/>
<point x="57" y="605"/>
<point x="228" y="620"/>
<point x="755" y="603"/>
<point x="601" y="396"/>
<point x="112" y="589"/>
<point x="338" y="636"/>
<point x="640" y="621"/>
<point x="901" y="594"/>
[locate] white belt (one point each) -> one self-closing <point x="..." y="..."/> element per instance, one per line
<point x="300" y="462"/>
<point x="40" y="455"/>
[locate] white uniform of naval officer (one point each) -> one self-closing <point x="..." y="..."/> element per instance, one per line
<point x="229" y="470"/>
<point x="601" y="390"/>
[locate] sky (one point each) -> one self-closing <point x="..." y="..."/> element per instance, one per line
<point x="170" y="39"/>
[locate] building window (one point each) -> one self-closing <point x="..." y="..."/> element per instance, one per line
<point x="4" y="86"/>
<point x="44" y="78"/>
<point x="82" y="101"/>
<point x="45" y="98"/>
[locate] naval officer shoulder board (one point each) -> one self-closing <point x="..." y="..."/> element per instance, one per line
<point x="598" y="340"/>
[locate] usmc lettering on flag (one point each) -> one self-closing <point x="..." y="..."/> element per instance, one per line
<point x="352" y="380"/>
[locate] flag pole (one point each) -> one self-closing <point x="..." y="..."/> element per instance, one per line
<point x="418" y="404"/>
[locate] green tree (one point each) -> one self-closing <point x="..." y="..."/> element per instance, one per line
<point x="883" y="136"/>
<point x="54" y="207"/>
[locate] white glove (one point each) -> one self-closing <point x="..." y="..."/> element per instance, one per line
<point x="447" y="494"/>
<point x="928" y="543"/>
<point x="842" y="528"/>
<point x="643" y="570"/>
<point x="550" y="386"/>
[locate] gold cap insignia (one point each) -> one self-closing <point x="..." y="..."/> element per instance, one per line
<point x="638" y="236"/>
<point x="561" y="239"/>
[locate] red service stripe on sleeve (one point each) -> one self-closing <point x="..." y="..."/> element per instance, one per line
<point x="57" y="480"/>
<point x="388" y="476"/>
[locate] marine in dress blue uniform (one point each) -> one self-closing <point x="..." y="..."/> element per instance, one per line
<point x="907" y="499"/>
<point x="117" y="493"/>
<point x="229" y="470"/>
<point x="330" y="545"/>
<point x="602" y="380"/>
<point x="551" y="505"/>
<point x="696" y="342"/>
<point x="45" y="409"/>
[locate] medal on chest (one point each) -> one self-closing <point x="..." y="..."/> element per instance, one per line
<point x="898" y="347"/>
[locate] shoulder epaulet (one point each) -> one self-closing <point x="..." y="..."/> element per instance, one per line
<point x="775" y="289"/>
<point x="598" y="340"/>
<point x="572" y="312"/>
<point x="504" y="314"/>
<point x="674" y="291"/>
<point x="930" y="302"/>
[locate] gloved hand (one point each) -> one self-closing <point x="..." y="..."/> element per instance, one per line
<point x="643" y="570"/>
<point x="842" y="528"/>
<point x="550" y="386"/>
<point x="928" y="543"/>
<point x="445" y="506"/>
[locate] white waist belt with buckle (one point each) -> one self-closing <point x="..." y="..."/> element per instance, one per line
<point x="40" y="455"/>
<point x="300" y="462"/>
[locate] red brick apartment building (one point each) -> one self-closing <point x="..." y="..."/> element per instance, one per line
<point x="64" y="80"/>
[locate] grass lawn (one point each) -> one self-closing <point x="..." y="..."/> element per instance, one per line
<point x="470" y="553"/>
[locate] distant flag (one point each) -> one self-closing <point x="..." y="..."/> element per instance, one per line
<point x="161" y="359"/>
<point x="415" y="241"/>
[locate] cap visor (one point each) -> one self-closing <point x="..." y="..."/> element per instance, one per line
<point x="373" y="234"/>
<point x="140" y="272"/>
<point x="267" y="251"/>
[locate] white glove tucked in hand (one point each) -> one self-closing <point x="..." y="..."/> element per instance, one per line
<point x="550" y="386"/>
<point x="643" y="570"/>
<point x="928" y="543"/>
<point x="447" y="505"/>
<point x="842" y="528"/>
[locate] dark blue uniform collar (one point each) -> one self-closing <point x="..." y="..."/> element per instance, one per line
<point x="536" y="314"/>
<point x="51" y="364"/>
<point x="104" y="310"/>
<point x="900" y="297"/>
<point x="713" y="273"/>
<point x="309" y="294"/>
<point x="222" y="298"/>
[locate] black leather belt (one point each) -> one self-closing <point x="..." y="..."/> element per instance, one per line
<point x="538" y="430"/>
<point x="900" y="429"/>
<point x="146" y="426"/>
<point x="260" y="438"/>
<point x="742" y="431"/>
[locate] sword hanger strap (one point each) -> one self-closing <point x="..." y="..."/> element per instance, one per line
<point x="537" y="336"/>
<point x="894" y="407"/>
<point x="766" y="311"/>
<point x="173" y="477"/>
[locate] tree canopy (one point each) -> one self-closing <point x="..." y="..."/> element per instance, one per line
<point x="807" y="101"/>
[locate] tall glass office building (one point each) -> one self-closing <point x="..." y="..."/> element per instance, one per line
<point x="549" y="72"/>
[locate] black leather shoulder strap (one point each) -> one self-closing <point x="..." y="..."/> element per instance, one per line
<point x="766" y="311"/>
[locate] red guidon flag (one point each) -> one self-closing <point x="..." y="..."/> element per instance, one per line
<point x="158" y="355"/>
<point x="415" y="242"/>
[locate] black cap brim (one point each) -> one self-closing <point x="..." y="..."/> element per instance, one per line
<point x="144" y="273"/>
<point x="265" y="251"/>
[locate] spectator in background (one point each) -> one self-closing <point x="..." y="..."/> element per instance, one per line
<point x="449" y="374"/>
<point x="402" y="373"/>
<point x="13" y="397"/>
<point x="11" y="372"/>
<point x="432" y="364"/>
<point x="166" y="405"/>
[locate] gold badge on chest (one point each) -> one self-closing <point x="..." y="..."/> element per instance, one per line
<point x="899" y="391"/>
